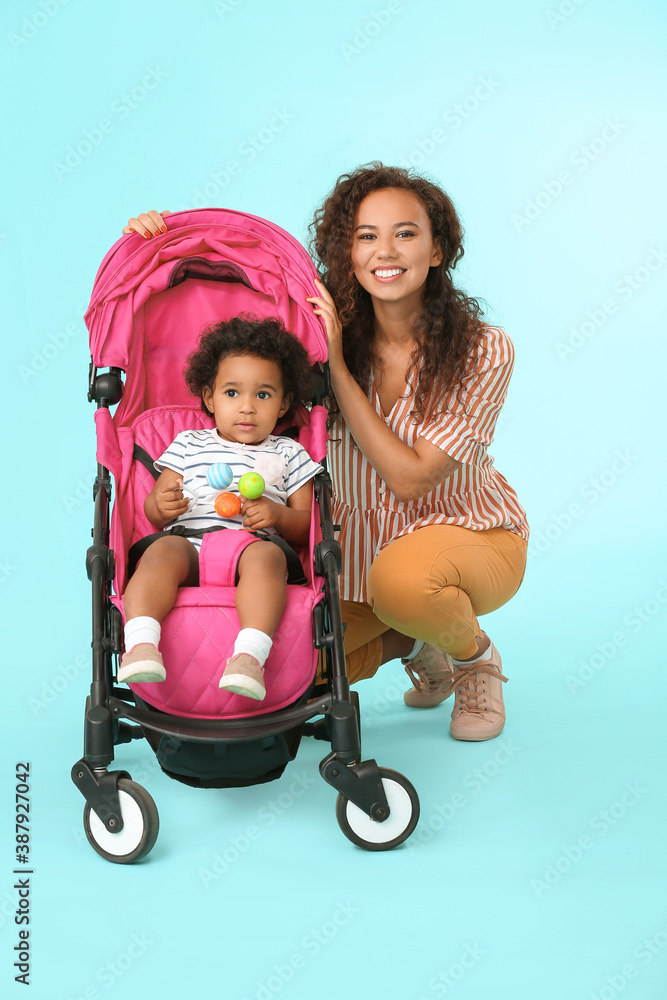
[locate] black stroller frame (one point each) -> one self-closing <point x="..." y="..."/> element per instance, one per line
<point x="113" y="716"/>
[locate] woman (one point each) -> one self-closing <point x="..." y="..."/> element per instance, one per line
<point x="432" y="534"/>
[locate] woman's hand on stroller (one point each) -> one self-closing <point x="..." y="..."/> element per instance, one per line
<point x="148" y="224"/>
<point x="324" y="306"/>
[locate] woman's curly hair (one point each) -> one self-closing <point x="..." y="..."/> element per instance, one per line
<point x="250" y="336"/>
<point x="450" y="321"/>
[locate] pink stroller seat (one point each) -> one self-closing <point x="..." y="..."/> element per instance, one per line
<point x="198" y="634"/>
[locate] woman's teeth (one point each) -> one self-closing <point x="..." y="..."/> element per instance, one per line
<point x="388" y="273"/>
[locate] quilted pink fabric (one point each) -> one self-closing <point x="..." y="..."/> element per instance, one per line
<point x="198" y="636"/>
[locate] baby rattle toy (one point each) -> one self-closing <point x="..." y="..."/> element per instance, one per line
<point x="251" y="484"/>
<point x="227" y="504"/>
<point x="219" y="476"/>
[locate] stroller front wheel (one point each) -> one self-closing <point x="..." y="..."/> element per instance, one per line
<point x="141" y="825"/>
<point x="371" y="835"/>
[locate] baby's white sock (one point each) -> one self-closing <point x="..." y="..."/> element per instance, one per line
<point x="486" y="655"/>
<point x="416" y="649"/>
<point x="142" y="629"/>
<point x="253" y="642"/>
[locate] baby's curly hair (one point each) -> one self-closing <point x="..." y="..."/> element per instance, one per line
<point x="253" y="337"/>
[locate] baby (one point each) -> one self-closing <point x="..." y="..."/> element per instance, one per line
<point x="248" y="373"/>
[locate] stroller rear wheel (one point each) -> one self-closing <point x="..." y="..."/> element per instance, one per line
<point x="141" y="825"/>
<point x="371" y="835"/>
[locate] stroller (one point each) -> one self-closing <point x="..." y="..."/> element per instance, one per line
<point x="150" y="301"/>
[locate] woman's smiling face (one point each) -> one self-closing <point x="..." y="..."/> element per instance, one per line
<point x="392" y="245"/>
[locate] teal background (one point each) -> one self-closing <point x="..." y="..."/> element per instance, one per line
<point x="492" y="872"/>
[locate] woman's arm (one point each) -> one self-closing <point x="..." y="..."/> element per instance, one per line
<point x="409" y="471"/>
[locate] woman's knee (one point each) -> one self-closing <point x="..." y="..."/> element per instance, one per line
<point x="401" y="594"/>
<point x="388" y="595"/>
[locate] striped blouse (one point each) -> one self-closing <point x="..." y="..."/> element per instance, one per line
<point x="475" y="496"/>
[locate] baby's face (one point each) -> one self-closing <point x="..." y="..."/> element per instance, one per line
<point x="247" y="398"/>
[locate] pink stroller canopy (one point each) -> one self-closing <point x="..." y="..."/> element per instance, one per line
<point x="142" y="320"/>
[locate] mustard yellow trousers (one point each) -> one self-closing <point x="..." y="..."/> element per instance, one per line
<point x="431" y="585"/>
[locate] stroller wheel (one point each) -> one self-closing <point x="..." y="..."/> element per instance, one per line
<point x="371" y="835"/>
<point x="140" y="826"/>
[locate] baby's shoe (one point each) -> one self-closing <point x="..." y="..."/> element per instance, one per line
<point x="431" y="672"/>
<point x="243" y="675"/>
<point x="142" y="665"/>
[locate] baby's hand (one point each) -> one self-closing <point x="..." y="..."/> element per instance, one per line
<point x="148" y="224"/>
<point x="260" y="513"/>
<point x="170" y="502"/>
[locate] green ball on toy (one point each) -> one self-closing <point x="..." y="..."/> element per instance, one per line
<point x="251" y="485"/>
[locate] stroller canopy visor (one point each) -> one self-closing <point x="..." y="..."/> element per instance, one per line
<point x="152" y="298"/>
